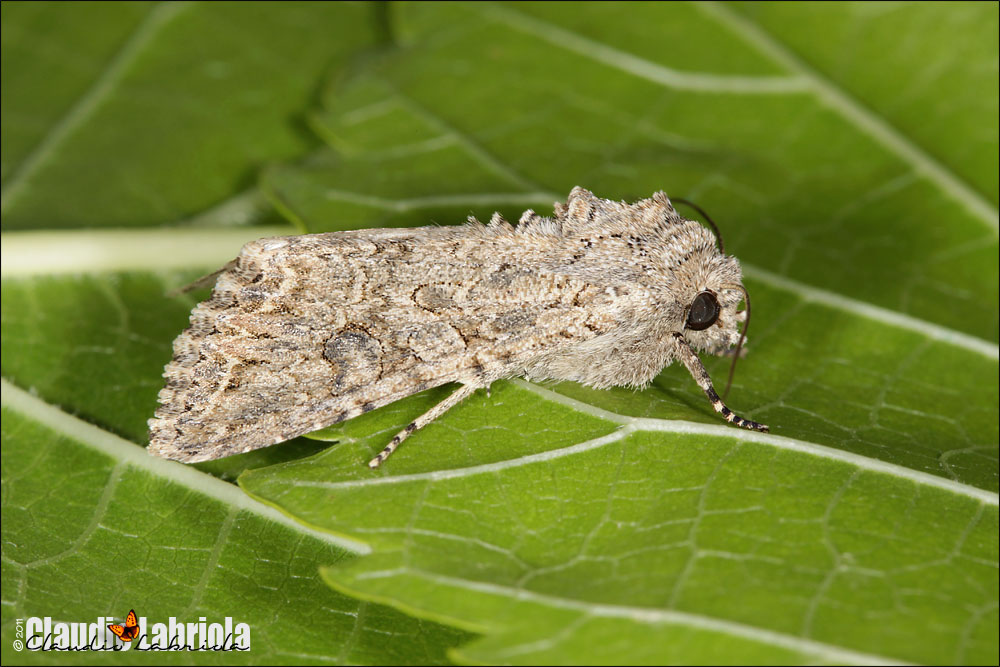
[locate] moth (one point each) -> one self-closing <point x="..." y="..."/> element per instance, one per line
<point x="302" y="332"/>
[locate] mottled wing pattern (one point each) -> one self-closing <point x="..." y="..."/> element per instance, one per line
<point x="303" y="332"/>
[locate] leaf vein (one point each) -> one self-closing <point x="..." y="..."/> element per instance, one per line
<point x="651" y="616"/>
<point x="89" y="101"/>
<point x="655" y="72"/>
<point x="862" y="117"/>
<point x="128" y="453"/>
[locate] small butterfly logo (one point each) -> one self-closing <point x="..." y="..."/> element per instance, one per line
<point x="129" y="631"/>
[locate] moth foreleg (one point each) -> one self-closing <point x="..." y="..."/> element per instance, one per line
<point x="700" y="375"/>
<point x="421" y="421"/>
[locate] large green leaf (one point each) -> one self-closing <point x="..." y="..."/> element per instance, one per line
<point x="562" y="524"/>
<point x="93" y="527"/>
<point x="131" y="114"/>
<point x="839" y="540"/>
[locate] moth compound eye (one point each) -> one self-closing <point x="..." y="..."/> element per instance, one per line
<point x="704" y="311"/>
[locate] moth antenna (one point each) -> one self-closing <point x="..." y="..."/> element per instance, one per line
<point x="743" y="337"/>
<point x="204" y="281"/>
<point x="715" y="229"/>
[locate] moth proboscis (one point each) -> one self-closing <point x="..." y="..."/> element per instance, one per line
<point x="302" y="332"/>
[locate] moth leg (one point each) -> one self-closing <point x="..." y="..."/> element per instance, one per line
<point x="423" y="420"/>
<point x="700" y="375"/>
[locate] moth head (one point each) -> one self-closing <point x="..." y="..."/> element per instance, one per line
<point x="713" y="318"/>
<point x="709" y="292"/>
<point x="712" y="322"/>
<point x="709" y="286"/>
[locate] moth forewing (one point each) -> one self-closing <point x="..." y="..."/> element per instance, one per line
<point x="302" y="332"/>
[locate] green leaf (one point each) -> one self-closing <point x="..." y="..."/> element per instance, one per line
<point x="657" y="547"/>
<point x="941" y="98"/>
<point x="136" y="114"/>
<point x="94" y="527"/>
<point x="848" y="152"/>
<point x="164" y="110"/>
<point x="863" y="530"/>
<point x="72" y="60"/>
